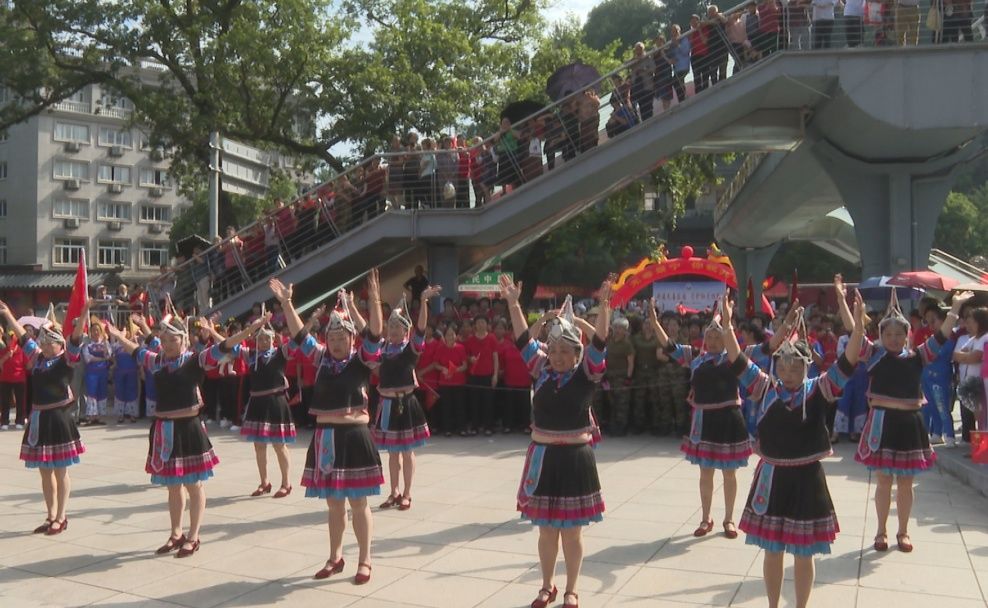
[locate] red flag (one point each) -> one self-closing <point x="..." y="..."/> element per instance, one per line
<point x="749" y="302"/>
<point x="80" y="294"/>
<point x="794" y="288"/>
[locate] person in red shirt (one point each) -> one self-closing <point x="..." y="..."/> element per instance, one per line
<point x="450" y="363"/>
<point x="429" y="378"/>
<point x="13" y="383"/>
<point x="483" y="371"/>
<point x="516" y="381"/>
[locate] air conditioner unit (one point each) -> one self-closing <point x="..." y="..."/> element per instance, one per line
<point x="71" y="223"/>
<point x="116" y="151"/>
<point x="155" y="228"/>
<point x="115" y="225"/>
<point x="72" y="184"/>
<point x="73" y="146"/>
<point x="157" y="192"/>
<point x="116" y="188"/>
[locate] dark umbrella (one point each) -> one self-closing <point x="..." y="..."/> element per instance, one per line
<point x="516" y="111"/>
<point x="570" y="79"/>
<point x="186" y="245"/>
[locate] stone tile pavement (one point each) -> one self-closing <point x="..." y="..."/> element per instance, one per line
<point x="461" y="545"/>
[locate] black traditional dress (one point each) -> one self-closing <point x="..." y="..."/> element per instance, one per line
<point x="267" y="417"/>
<point x="180" y="451"/>
<point x="401" y="425"/>
<point x="342" y="460"/>
<point x="51" y="437"/>
<point x="559" y="486"/>
<point x="789" y="506"/>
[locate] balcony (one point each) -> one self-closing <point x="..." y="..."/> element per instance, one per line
<point x="115" y="112"/>
<point x="78" y="107"/>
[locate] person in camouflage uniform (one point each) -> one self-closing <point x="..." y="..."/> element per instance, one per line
<point x="646" y="412"/>
<point x="620" y="369"/>
<point x="673" y="381"/>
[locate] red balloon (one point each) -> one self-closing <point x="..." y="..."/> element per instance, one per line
<point x="686" y="252"/>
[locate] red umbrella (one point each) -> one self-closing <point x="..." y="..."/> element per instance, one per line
<point x="924" y="279"/>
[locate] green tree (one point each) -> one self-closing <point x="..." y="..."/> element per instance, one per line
<point x="266" y="71"/>
<point x="813" y="265"/>
<point x="957" y="227"/>
<point x="623" y="21"/>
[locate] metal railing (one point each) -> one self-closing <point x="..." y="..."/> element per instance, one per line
<point x="492" y="168"/>
<point x="751" y="162"/>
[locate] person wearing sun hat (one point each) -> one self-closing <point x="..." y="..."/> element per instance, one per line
<point x="51" y="440"/>
<point x="789" y="508"/>
<point x="560" y="489"/>
<point x="895" y="443"/>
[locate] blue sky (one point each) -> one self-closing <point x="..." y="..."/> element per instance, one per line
<point x="560" y="8"/>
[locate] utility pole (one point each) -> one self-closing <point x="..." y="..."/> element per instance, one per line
<point x="214" y="184"/>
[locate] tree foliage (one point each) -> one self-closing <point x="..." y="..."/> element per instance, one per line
<point x="622" y="21"/>
<point x="266" y="71"/>
<point x="813" y="265"/>
<point x="961" y="229"/>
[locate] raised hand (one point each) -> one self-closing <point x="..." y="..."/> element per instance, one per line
<point x="4" y="309"/>
<point x="430" y="292"/>
<point x="373" y="284"/>
<point x="606" y="288"/>
<point x="839" y="286"/>
<point x="510" y="291"/>
<point x="282" y="292"/>
<point x="652" y="313"/>
<point x="727" y="311"/>
<point x="960" y="299"/>
<point x="860" y="311"/>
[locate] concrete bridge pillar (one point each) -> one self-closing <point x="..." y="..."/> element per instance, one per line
<point x="894" y="205"/>
<point x="443" y="269"/>
<point x="750" y="263"/>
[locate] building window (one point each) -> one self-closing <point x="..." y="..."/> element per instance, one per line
<point x="67" y="169"/>
<point x="109" y="136"/>
<point x="3" y="207"/>
<point x="65" y="131"/>
<point x="114" y="174"/>
<point x="114" y="212"/>
<point x="156" y="213"/>
<point x="4" y="137"/>
<point x="3" y="250"/>
<point x="69" y="208"/>
<point x="82" y="95"/>
<point x="4" y="95"/>
<point x="154" y="178"/>
<point x="66" y="251"/>
<point x="113" y="253"/>
<point x="154" y="255"/>
<point x="3" y="169"/>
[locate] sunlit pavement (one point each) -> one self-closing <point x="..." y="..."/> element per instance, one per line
<point x="461" y="544"/>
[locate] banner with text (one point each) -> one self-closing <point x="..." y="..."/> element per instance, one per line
<point x="695" y="295"/>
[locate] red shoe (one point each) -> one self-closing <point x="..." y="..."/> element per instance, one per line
<point x="390" y="502"/>
<point x="903" y="541"/>
<point x="403" y="505"/>
<point x="183" y="552"/>
<point x="329" y="569"/>
<point x="62" y="526"/>
<point x="883" y="544"/>
<point x="262" y="489"/>
<point x="283" y="492"/>
<point x="550" y="597"/>
<point x="731" y="532"/>
<point x="43" y="527"/>
<point x="172" y="544"/>
<point x="576" y="597"/>
<point x="362" y="579"/>
<point x="704" y="529"/>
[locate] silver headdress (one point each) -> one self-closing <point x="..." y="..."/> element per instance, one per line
<point x="795" y="348"/>
<point x="266" y="329"/>
<point x="563" y="328"/>
<point x="715" y="324"/>
<point x="894" y="314"/>
<point x="399" y="314"/>
<point x="49" y="333"/>
<point x="175" y="327"/>
<point x="339" y="319"/>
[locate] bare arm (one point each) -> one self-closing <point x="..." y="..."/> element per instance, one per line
<point x="429" y="292"/>
<point x="359" y="323"/>
<point x="12" y="323"/>
<point x="730" y="338"/>
<point x="126" y="343"/>
<point x="283" y="293"/>
<point x="845" y="313"/>
<point x="80" y="322"/>
<point x="604" y="317"/>
<point x="795" y="312"/>
<point x="854" y="344"/>
<point x="947" y="327"/>
<point x="653" y="320"/>
<point x="374" y="294"/>
<point x="241" y="335"/>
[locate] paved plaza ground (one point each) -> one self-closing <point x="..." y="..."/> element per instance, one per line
<point x="461" y="544"/>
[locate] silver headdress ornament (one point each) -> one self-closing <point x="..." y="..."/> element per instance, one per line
<point x="339" y="319"/>
<point x="714" y="324"/>
<point x="894" y="314"/>
<point x="49" y="333"/>
<point x="563" y="328"/>
<point x="790" y="352"/>
<point x="175" y="327"/>
<point x="399" y="314"/>
<point x="266" y="329"/>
